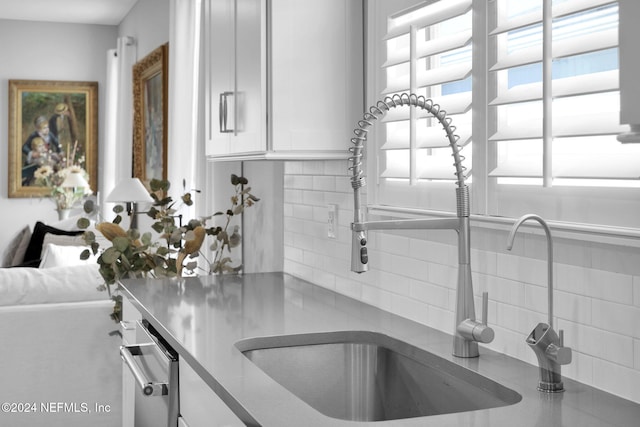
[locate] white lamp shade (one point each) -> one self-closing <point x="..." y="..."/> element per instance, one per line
<point x="75" y="180"/>
<point x="129" y="190"/>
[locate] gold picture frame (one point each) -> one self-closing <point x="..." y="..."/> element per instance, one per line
<point x="52" y="124"/>
<point x="150" y="109"/>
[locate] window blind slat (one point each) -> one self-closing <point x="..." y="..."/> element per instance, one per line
<point x="558" y="11"/>
<point x="432" y="77"/>
<point x="428" y="15"/>
<point x="615" y="166"/>
<point x="428" y="137"/>
<point x="579" y="45"/>
<point x="429" y="48"/>
<point x="605" y="81"/>
<point x="596" y="124"/>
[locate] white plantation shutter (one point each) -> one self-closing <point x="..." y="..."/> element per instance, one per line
<point x="428" y="52"/>
<point x="582" y="99"/>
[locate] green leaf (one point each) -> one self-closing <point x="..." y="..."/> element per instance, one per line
<point x="254" y="198"/>
<point x="118" y="209"/>
<point x="133" y="233"/>
<point x="89" y="206"/>
<point x="158" y="227"/>
<point x="238" y="210"/>
<point x="243" y="181"/>
<point x="120" y="243"/>
<point x="85" y="254"/>
<point x="234" y="179"/>
<point x="89" y="237"/>
<point x="146" y="239"/>
<point x="186" y="199"/>
<point x="110" y="256"/>
<point x="117" y="219"/>
<point x="153" y="212"/>
<point x="83" y="223"/>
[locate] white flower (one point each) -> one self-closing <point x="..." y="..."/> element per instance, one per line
<point x="43" y="172"/>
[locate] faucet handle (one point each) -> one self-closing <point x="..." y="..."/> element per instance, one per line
<point x="559" y="353"/>
<point x="485" y="307"/>
<point x="478" y="331"/>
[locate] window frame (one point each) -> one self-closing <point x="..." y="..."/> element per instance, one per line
<point x="608" y="210"/>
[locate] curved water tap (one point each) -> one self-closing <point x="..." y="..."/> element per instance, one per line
<point x="546" y="344"/>
<point x="547" y="232"/>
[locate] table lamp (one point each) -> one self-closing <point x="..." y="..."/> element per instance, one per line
<point x="132" y="192"/>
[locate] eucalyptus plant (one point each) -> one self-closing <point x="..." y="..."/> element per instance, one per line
<point x="135" y="254"/>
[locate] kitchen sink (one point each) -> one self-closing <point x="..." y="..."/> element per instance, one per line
<point x="368" y="376"/>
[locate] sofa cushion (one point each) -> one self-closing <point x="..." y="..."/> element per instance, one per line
<point x="15" y="251"/>
<point x="34" y="250"/>
<point x="19" y="286"/>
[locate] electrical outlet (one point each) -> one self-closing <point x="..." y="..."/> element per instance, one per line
<point x="332" y="221"/>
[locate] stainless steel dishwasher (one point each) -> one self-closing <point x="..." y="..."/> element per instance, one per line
<point x="154" y="366"/>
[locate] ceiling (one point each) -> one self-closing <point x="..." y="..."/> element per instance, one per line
<point x="102" y="12"/>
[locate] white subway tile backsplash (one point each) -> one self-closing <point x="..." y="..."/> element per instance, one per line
<point x="414" y="274"/>
<point x="393" y="244"/>
<point x="610" y="286"/>
<point x="324" y="183"/>
<point x="619" y="318"/>
<point x="616" y="379"/>
<point x="526" y="270"/>
<point x="433" y="252"/>
<point x="429" y="293"/>
<point x="572" y="307"/>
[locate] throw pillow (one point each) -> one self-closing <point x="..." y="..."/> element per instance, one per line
<point x="64" y="256"/>
<point x="37" y="238"/>
<point x="62" y="241"/>
<point x="14" y="252"/>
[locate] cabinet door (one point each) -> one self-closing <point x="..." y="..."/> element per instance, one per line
<point x="250" y="94"/>
<point x="317" y="77"/>
<point x="219" y="74"/>
<point x="199" y="405"/>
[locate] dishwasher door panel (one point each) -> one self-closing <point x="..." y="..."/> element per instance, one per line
<point x="154" y="368"/>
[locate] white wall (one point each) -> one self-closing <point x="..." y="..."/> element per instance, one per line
<point x="148" y="23"/>
<point x="413" y="274"/>
<point x="45" y="51"/>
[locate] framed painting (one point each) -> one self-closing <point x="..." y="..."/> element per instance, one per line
<point x="150" y="106"/>
<point x="53" y="126"/>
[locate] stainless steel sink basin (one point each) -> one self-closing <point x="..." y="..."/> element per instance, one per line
<point x="367" y="376"/>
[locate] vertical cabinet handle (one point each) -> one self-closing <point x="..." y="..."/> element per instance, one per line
<point x="223" y="112"/>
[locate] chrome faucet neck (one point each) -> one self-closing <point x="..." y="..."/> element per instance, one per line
<point x="467" y="331"/>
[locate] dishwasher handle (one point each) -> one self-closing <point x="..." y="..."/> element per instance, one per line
<point x="149" y="388"/>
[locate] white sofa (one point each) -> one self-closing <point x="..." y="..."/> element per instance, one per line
<point x="59" y="363"/>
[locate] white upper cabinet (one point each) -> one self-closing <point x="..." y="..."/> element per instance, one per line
<point x="284" y="78"/>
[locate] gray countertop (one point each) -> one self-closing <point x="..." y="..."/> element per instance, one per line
<point x="204" y="317"/>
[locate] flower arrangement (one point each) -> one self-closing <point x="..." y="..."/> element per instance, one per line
<point x="64" y="197"/>
<point x="53" y="172"/>
<point x="176" y="247"/>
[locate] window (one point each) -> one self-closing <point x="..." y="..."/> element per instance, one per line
<point x="428" y="52"/>
<point x="557" y="74"/>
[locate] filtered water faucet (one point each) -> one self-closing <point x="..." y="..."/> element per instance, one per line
<point x="543" y="340"/>
<point x="467" y="330"/>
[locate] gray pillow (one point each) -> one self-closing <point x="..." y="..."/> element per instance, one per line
<point x="14" y="252"/>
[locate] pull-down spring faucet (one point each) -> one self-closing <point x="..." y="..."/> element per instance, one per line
<point x="467" y="331"/>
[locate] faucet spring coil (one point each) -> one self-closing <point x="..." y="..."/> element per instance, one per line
<point x="379" y="110"/>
